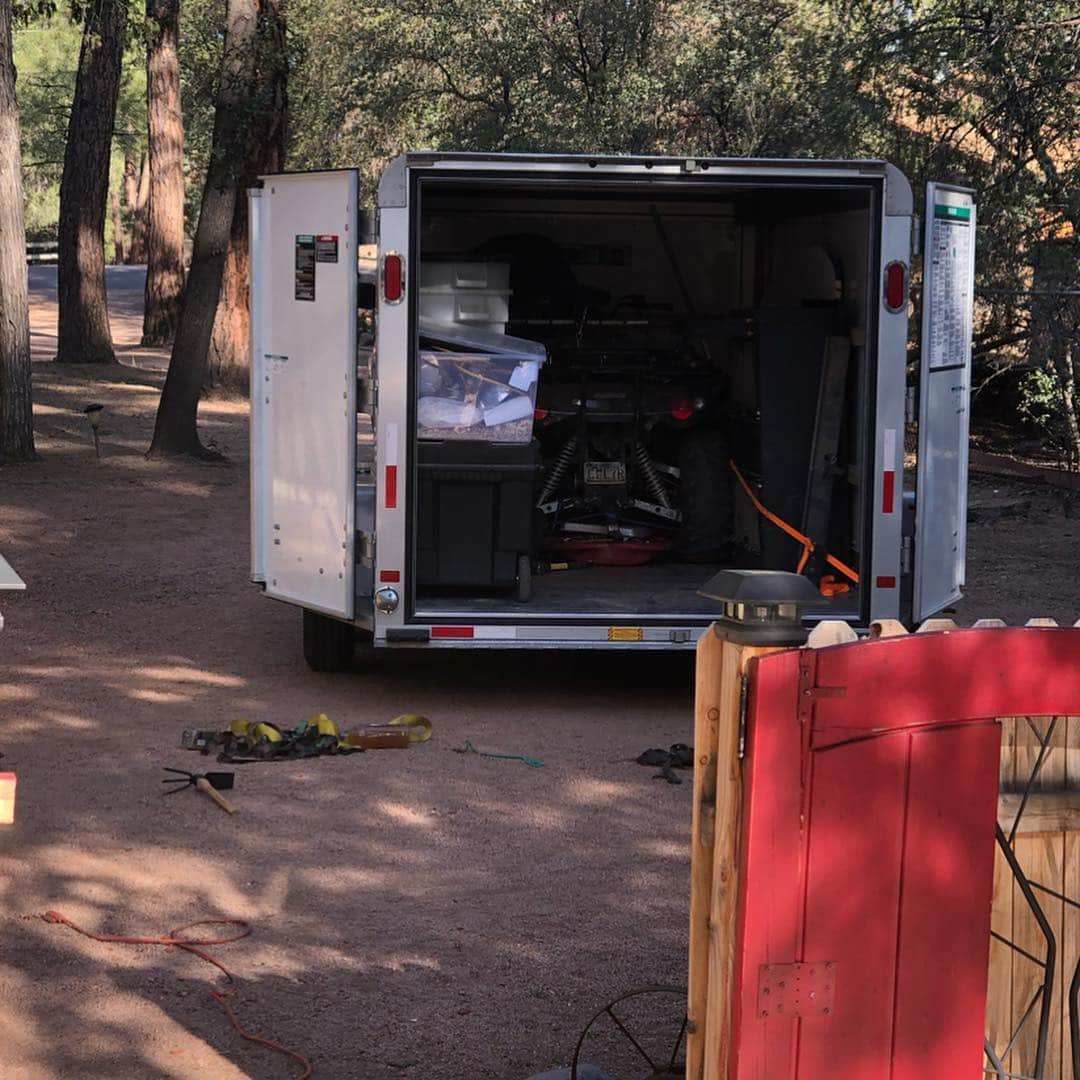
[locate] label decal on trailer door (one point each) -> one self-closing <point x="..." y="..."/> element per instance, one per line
<point x="326" y="249"/>
<point x="949" y="255"/>
<point x="305" y="268"/>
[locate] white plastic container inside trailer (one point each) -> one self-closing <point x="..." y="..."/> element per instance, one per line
<point x="595" y="382"/>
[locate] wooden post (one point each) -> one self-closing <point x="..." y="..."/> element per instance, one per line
<point x="714" y="862"/>
<point x="708" y="677"/>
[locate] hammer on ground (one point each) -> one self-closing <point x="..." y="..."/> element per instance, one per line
<point x="208" y="783"/>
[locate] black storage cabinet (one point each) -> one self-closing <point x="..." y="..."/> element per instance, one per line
<point x="475" y="514"/>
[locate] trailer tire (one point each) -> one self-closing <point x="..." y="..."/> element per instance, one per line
<point x="705" y="496"/>
<point x="328" y="643"/>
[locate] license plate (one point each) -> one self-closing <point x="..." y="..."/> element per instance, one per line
<point x="605" y="472"/>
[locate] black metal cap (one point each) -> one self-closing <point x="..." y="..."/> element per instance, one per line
<point x="760" y="587"/>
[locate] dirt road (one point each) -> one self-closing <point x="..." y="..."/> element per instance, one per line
<point x="417" y="914"/>
<point x="461" y="914"/>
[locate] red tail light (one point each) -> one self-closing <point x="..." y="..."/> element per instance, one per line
<point x="682" y="408"/>
<point x="540" y="414"/>
<point x="895" y="286"/>
<point x="393" y="277"/>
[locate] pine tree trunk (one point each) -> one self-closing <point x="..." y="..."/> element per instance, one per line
<point x="229" y="365"/>
<point x="84" y="334"/>
<point x="16" y="413"/>
<point x="165" y="220"/>
<point x="139" y="212"/>
<point x="118" y="228"/>
<point x="230" y="349"/>
<point x="131" y="185"/>
<point x="175" y="430"/>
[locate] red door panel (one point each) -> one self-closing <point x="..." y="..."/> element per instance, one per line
<point x="870" y="798"/>
<point x="855" y="841"/>
<point x="944" y="928"/>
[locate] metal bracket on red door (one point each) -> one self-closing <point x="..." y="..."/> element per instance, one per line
<point x="797" y="990"/>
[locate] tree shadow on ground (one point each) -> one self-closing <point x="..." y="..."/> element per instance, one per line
<point x="462" y="914"/>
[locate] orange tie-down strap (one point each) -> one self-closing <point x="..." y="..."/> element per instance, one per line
<point x="808" y="545"/>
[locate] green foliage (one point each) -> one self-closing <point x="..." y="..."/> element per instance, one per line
<point x="1048" y="400"/>
<point x="980" y="92"/>
<point x="46" y="55"/>
<point x="46" y="52"/>
<point x="639" y="76"/>
<point x="202" y="27"/>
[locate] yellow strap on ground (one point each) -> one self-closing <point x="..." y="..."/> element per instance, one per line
<point x="419" y="726"/>
<point x="264" y="731"/>
<point x="323" y="724"/>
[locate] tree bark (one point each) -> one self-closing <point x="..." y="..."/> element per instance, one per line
<point x="230" y="349"/>
<point x="16" y="411"/>
<point x="175" y="430"/>
<point x="118" y="228"/>
<point x="131" y="185"/>
<point x="84" y="334"/>
<point x="139" y="210"/>
<point x="165" y="220"/>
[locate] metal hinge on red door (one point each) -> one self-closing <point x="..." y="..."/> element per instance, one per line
<point x="809" y="692"/>
<point x="809" y="695"/>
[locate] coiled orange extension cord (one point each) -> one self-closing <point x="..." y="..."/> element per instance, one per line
<point x="195" y="946"/>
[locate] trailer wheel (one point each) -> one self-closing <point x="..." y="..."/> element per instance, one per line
<point x="705" y="496"/>
<point x="328" y="643"/>
<point x="523" y="586"/>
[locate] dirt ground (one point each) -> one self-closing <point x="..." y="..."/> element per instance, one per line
<point x="417" y="914"/>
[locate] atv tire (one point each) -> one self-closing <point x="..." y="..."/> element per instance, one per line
<point x="705" y="497"/>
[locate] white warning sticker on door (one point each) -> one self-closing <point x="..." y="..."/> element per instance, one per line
<point x="948" y="279"/>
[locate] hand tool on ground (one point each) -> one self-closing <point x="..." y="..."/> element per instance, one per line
<point x="468" y="748"/>
<point x="208" y="783"/>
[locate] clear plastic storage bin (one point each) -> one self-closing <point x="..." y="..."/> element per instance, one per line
<point x="474" y="395"/>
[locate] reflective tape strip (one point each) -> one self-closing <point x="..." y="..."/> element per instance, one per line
<point x="888" y="491"/>
<point x="888" y="477"/>
<point x="390" y="460"/>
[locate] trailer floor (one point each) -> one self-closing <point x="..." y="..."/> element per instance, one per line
<point x="658" y="589"/>
<point x="667" y="590"/>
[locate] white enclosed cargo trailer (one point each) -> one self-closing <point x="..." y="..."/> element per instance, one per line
<point x="538" y="401"/>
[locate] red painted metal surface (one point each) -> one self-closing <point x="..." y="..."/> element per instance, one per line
<point x="870" y="799"/>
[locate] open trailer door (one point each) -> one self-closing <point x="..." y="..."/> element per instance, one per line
<point x="303" y="388"/>
<point x="944" y="398"/>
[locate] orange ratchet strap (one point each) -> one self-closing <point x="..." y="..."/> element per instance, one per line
<point x="808" y="545"/>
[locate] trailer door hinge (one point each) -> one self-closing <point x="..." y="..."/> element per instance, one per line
<point x="744" y="696"/>
<point x="916" y="236"/>
<point x="905" y="555"/>
<point x="909" y="405"/>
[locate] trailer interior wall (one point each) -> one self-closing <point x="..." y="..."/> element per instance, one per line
<point x="730" y="292"/>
